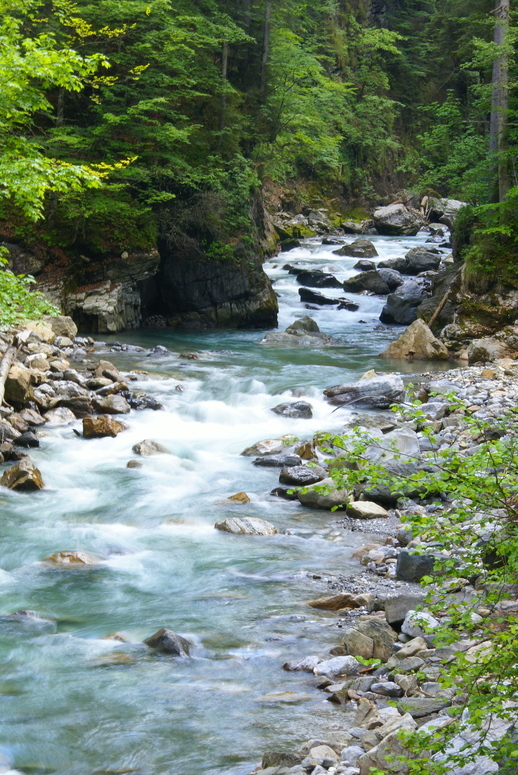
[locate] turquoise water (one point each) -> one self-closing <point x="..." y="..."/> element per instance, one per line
<point x="73" y="702"/>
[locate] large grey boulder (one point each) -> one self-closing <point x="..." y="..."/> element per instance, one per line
<point x="373" y="393"/>
<point x="401" y="307"/>
<point x="304" y="331"/>
<point x="297" y="410"/>
<point x="360" y="248"/>
<point x="396" y="219"/>
<point x="367" y="281"/>
<point x="486" y="351"/>
<point x="445" y="211"/>
<point x="417" y="343"/>
<point x="421" y="260"/>
<point x="391" y="277"/>
<point x="399" y="444"/>
<point x="412" y="566"/>
<point x="251" y="526"/>
<point x="300" y="476"/>
<point x="313" y="297"/>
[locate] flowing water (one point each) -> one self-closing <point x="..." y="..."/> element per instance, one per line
<point x="75" y="703"/>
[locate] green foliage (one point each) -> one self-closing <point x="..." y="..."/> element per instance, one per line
<point x="18" y="302"/>
<point x="475" y="528"/>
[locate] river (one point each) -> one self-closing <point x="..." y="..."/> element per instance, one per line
<point x="75" y="703"/>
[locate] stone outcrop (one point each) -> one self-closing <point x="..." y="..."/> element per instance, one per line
<point x="417" y="343"/>
<point x="396" y="219"/>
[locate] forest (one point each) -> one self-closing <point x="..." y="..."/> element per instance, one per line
<point x="116" y="114"/>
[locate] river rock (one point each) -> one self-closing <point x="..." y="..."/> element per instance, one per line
<point x="168" y="642"/>
<point x="421" y="260"/>
<point x="391" y="277"/>
<point x="338" y="666"/>
<point x="304" y="331"/>
<point x="364" y="265"/>
<point x="18" y="384"/>
<point x="365" y="510"/>
<point x="27" y="440"/>
<point x="102" y="426"/>
<point x="69" y="559"/>
<point x="312" y="297"/>
<point x="240" y="497"/>
<point x="397" y="264"/>
<point x="31" y="417"/>
<point x="397" y="606"/>
<point x="134" y="464"/>
<point x="7" y="432"/>
<point x="59" y="416"/>
<point x="418" y="624"/>
<point x="401" y="307"/>
<point x="147" y="448"/>
<point x="370" y="639"/>
<point x="341" y="601"/>
<point x="444" y="211"/>
<point x="246" y="526"/>
<point x="317" y="279"/>
<point x="417" y="342"/>
<point x="301" y="476"/>
<point x="353" y="227"/>
<point x="485" y="351"/>
<point x="387" y="689"/>
<point x="111" y="405"/>
<point x="396" y="219"/>
<point x="367" y="281"/>
<point x="23" y="476"/>
<point x="418" y="707"/>
<point x="81" y="406"/>
<point x="374" y="393"/>
<point x="298" y="410"/>
<point x="330" y="498"/>
<point x="61" y="325"/>
<point x="412" y="566"/>
<point x="270" y="446"/>
<point x="107" y="370"/>
<point x="306" y="665"/>
<point x="360" y="248"/>
<point x="278" y="461"/>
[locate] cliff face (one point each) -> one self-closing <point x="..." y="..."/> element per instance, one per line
<point x="176" y="284"/>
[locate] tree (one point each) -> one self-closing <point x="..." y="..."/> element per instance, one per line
<point x="498" y="139"/>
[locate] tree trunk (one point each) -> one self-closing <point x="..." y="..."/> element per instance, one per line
<point x="266" y="47"/>
<point x="499" y="171"/>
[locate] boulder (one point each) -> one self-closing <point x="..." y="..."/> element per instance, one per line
<point x="298" y="410"/>
<point x="330" y="498"/>
<point x="278" y="461"/>
<point x="301" y="476"/>
<point x="305" y="324"/>
<point x="401" y="307"/>
<point x="61" y="325"/>
<point x="31" y="417"/>
<point x="69" y="559"/>
<point x="99" y="427"/>
<point x="412" y="567"/>
<point x="338" y="666"/>
<point x="421" y="260"/>
<point x="27" y="440"/>
<point x="240" y="497"/>
<point x="168" y="642"/>
<point x="374" y="393"/>
<point x="391" y="277"/>
<point x="341" y="601"/>
<point x="7" y="432"/>
<point x="365" y="510"/>
<point x="400" y="443"/>
<point x="81" y="406"/>
<point x="23" y="476"/>
<point x="364" y="265"/>
<point x="397" y="606"/>
<point x="360" y="248"/>
<point x="417" y="343"/>
<point x="18" y="384"/>
<point x="306" y="665"/>
<point x="353" y="227"/>
<point x="134" y="464"/>
<point x="444" y="211"/>
<point x="418" y="624"/>
<point x="108" y="371"/>
<point x="147" y="448"/>
<point x="370" y="281"/>
<point x="59" y="416"/>
<point x="370" y="639"/>
<point x="246" y="526"/>
<point x="40" y="331"/>
<point x="397" y="264"/>
<point x="396" y="219"/>
<point x="318" y="279"/>
<point x="312" y="297"/>
<point x="485" y="350"/>
<point x="270" y="446"/>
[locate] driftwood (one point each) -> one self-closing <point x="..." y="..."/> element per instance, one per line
<point x="9" y="357"/>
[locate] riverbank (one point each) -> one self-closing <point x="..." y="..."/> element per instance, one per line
<point x="382" y="610"/>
